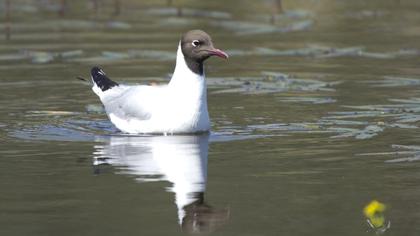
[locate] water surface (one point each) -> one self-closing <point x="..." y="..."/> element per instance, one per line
<point x="314" y="115"/>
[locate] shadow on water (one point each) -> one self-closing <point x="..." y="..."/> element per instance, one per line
<point x="180" y="160"/>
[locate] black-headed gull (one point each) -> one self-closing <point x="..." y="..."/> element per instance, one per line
<point x="178" y="107"/>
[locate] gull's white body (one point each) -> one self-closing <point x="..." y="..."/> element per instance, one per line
<point x="179" y="107"/>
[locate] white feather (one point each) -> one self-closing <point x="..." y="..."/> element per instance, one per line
<point x="179" y="107"/>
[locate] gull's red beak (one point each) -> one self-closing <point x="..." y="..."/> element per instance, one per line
<point x="219" y="53"/>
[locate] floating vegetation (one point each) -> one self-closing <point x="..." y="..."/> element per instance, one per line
<point x="365" y="133"/>
<point x="401" y="112"/>
<point x="176" y="21"/>
<point x="41" y="57"/>
<point x="333" y="122"/>
<point x="322" y="126"/>
<point x="337" y="52"/>
<point x="13" y="57"/>
<point x="129" y="55"/>
<point x="189" y="12"/>
<point x="95" y="109"/>
<point x="271" y="82"/>
<point x="357" y="114"/>
<point x="313" y="100"/>
<point x="311" y="51"/>
<point x="286" y="15"/>
<point x="249" y="28"/>
<point x="404" y="114"/>
<point x="118" y="25"/>
<point x="153" y="54"/>
<point x="51" y="113"/>
<point x="403" y="153"/>
<point x="336" y="128"/>
<point x="25" y="8"/>
<point x="363" y="14"/>
<point x="72" y="25"/>
<point x="70" y="54"/>
<point x="319" y="51"/>
<point x="393" y="81"/>
<point x="115" y="55"/>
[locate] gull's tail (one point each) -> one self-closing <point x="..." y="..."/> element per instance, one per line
<point x="101" y="81"/>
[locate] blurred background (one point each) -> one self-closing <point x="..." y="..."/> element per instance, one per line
<point x="314" y="116"/>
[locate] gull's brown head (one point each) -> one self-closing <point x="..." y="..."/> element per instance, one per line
<point x="197" y="46"/>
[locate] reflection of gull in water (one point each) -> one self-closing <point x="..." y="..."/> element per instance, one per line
<point x="181" y="160"/>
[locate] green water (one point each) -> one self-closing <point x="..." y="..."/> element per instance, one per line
<point x="312" y="118"/>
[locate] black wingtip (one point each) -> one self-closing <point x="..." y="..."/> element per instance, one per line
<point x="96" y="70"/>
<point x="101" y="80"/>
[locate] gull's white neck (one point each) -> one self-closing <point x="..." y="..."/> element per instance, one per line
<point x="188" y="93"/>
<point x="183" y="76"/>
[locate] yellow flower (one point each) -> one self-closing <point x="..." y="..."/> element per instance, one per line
<point x="374" y="212"/>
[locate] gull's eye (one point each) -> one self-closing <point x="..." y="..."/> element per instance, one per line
<point x="196" y="43"/>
